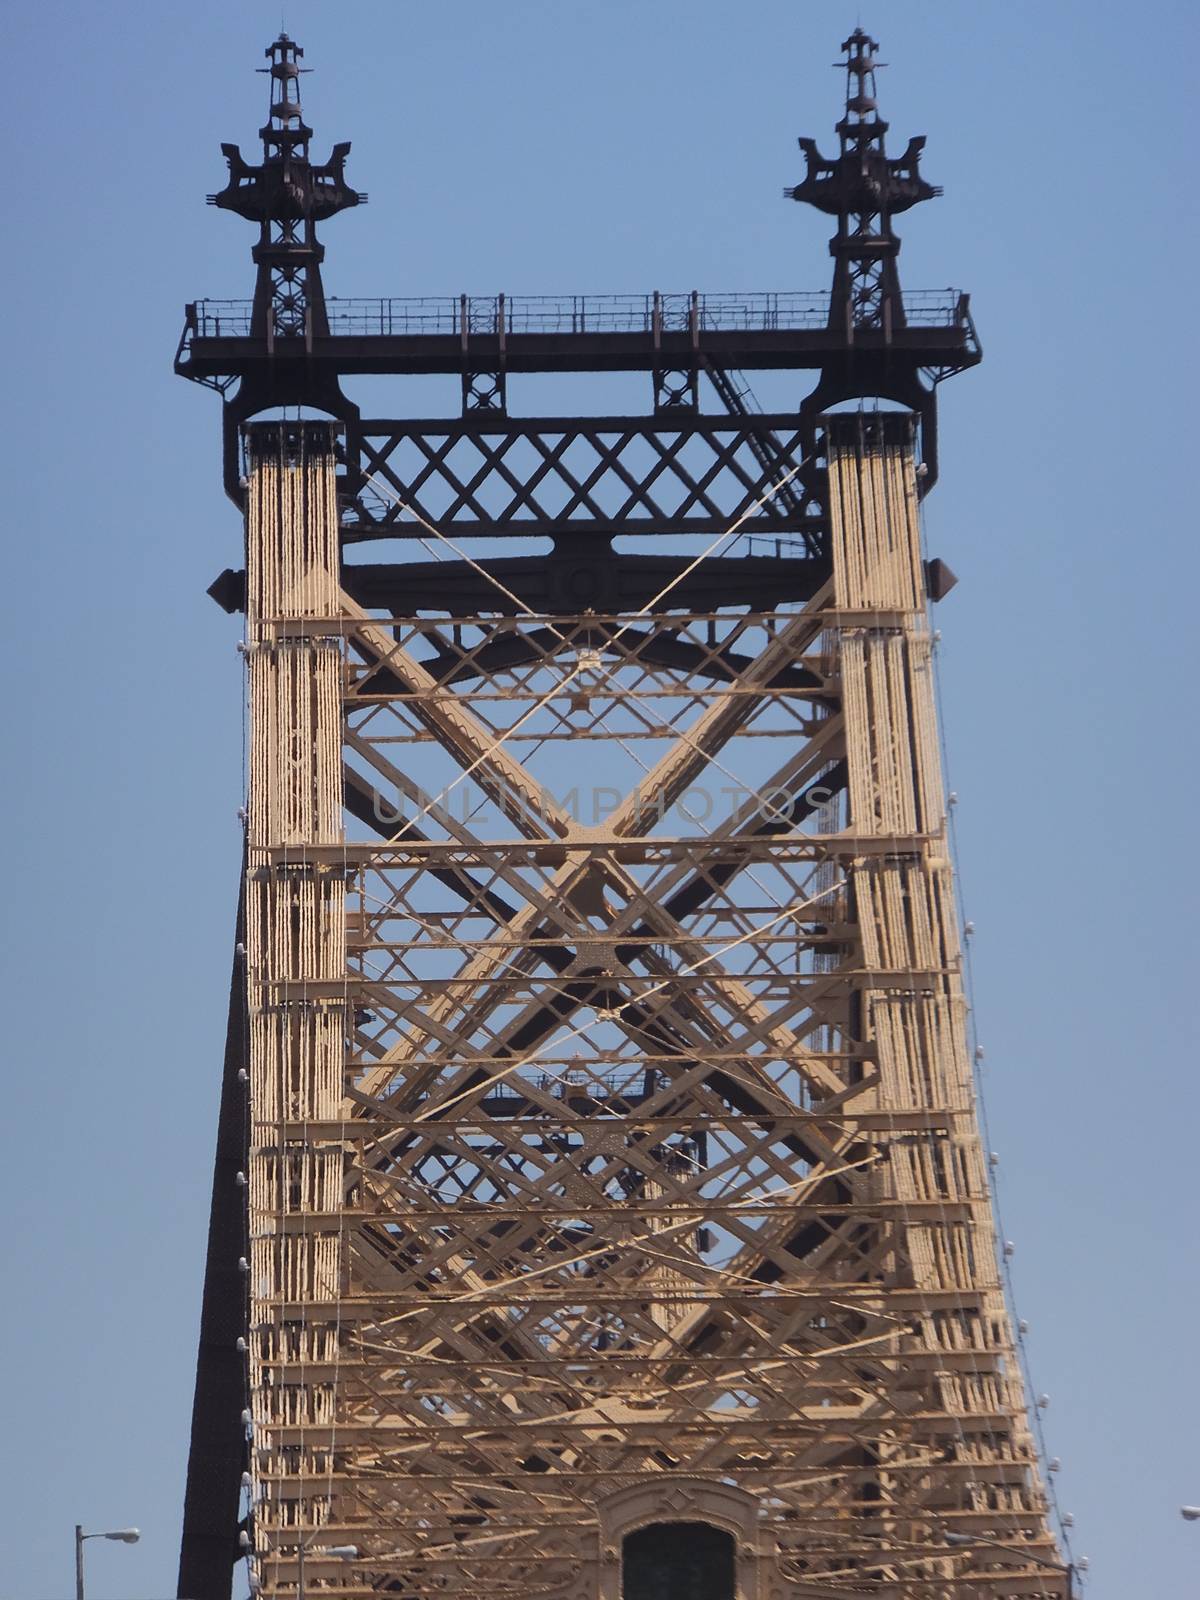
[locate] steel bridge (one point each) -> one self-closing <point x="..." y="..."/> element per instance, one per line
<point x="599" y="1207"/>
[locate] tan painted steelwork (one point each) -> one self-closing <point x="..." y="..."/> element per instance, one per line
<point x="614" y="1157"/>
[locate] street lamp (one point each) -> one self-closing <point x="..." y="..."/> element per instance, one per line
<point x="1190" y="1513"/>
<point x="335" y="1552"/>
<point x="121" y="1535"/>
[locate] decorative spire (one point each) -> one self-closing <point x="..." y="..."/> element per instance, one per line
<point x="287" y="196"/>
<point x="863" y="188"/>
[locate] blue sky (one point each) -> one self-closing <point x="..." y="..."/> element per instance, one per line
<point x="535" y="147"/>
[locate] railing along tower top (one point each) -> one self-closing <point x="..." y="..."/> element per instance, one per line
<point x="864" y="188"/>
<point x="290" y="347"/>
<point x="287" y="195"/>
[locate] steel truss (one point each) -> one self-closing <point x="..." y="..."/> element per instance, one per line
<point x="612" y="1149"/>
<point x="596" y="476"/>
<point x="599" y="1206"/>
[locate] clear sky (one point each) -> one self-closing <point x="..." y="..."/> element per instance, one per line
<point x="637" y="144"/>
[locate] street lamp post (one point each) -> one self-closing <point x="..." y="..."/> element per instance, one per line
<point x="122" y="1535"/>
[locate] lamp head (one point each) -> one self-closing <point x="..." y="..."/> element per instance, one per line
<point x="124" y="1535"/>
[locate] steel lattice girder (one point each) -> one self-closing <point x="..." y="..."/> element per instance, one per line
<point x="504" y="476"/>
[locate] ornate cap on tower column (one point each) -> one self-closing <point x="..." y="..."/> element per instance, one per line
<point x="863" y="187"/>
<point x="287" y="195"/>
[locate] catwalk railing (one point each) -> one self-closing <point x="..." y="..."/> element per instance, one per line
<point x="759" y="311"/>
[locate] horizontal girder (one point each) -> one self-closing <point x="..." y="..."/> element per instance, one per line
<point x="578" y="478"/>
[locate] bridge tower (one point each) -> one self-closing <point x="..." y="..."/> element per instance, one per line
<point x="599" y="1207"/>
